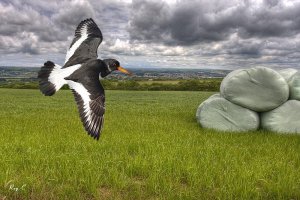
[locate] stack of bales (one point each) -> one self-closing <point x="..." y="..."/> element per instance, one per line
<point x="254" y="98"/>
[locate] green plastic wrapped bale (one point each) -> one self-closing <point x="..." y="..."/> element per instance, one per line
<point x="220" y="114"/>
<point x="284" y="119"/>
<point x="294" y="85"/>
<point x="259" y="89"/>
<point x="287" y="73"/>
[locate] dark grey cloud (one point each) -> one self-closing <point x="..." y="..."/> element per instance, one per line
<point x="248" y="48"/>
<point x="192" y="21"/>
<point x="149" y="20"/>
<point x="29" y="48"/>
<point x="54" y="22"/>
<point x="20" y="22"/>
<point x="72" y="13"/>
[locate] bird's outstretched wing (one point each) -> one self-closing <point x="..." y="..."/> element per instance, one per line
<point x="85" y="44"/>
<point x="90" y="100"/>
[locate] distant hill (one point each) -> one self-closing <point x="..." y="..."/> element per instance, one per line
<point x="18" y="72"/>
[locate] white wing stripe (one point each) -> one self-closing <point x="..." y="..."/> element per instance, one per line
<point x="84" y="36"/>
<point x="85" y="95"/>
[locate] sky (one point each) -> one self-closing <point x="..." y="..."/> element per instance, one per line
<point x="214" y="34"/>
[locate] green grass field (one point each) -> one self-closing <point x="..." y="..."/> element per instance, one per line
<point x="151" y="148"/>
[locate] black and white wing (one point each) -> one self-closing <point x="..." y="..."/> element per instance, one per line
<point x="85" y="44"/>
<point x="90" y="100"/>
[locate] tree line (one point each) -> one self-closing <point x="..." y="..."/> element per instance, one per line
<point x="183" y="85"/>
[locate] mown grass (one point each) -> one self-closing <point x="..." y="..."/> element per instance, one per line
<point x="151" y="148"/>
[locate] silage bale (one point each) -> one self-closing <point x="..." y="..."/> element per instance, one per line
<point x="284" y="119"/>
<point x="287" y="73"/>
<point x="259" y="89"/>
<point x="294" y="85"/>
<point x="220" y="114"/>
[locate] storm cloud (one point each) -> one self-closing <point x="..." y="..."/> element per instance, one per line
<point x="155" y="33"/>
<point x="194" y="21"/>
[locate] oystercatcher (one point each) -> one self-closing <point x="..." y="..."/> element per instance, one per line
<point x="81" y="72"/>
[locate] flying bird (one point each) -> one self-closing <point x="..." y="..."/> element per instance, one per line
<point x="81" y="72"/>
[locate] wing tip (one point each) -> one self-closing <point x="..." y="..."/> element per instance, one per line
<point x="93" y="130"/>
<point x="94" y="135"/>
<point x="88" y="22"/>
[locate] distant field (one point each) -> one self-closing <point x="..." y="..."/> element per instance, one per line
<point x="151" y="148"/>
<point x="148" y="82"/>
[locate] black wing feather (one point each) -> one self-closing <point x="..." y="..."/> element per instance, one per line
<point x="88" y="48"/>
<point x="96" y="115"/>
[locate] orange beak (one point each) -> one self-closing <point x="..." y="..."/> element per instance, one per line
<point x="121" y="69"/>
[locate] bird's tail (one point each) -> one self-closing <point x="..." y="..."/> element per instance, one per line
<point x="50" y="80"/>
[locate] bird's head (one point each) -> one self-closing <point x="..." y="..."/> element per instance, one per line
<point x="113" y="65"/>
